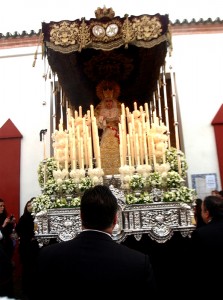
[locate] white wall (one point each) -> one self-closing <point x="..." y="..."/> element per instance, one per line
<point x="198" y="63"/>
<point x="22" y="94"/>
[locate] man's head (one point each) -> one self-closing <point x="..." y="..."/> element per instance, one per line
<point x="99" y="209"/>
<point x="212" y="208"/>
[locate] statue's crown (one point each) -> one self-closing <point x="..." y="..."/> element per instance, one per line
<point x="104" y="13"/>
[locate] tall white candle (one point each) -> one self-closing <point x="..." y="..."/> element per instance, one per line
<point x="120" y="145"/>
<point x="137" y="149"/>
<point x="78" y="146"/>
<point x="61" y="125"/>
<point x="92" y="110"/>
<point x="127" y="112"/>
<point x="66" y="153"/>
<point x="81" y="153"/>
<point x="94" y="137"/>
<point x="68" y="118"/>
<point x="74" y="152"/>
<point x="80" y="111"/>
<point x="90" y="152"/>
<point x="124" y="146"/>
<point x="154" y="155"/>
<point x="129" y="150"/>
<point x="145" y="148"/>
<point x="135" y="106"/>
<point x="72" y="122"/>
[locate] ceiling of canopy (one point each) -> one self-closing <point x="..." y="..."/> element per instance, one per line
<point x="129" y="50"/>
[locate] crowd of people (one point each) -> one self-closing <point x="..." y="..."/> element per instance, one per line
<point x="19" y="233"/>
<point x="93" y="262"/>
<point x="7" y="227"/>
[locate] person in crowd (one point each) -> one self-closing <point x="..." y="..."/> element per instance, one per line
<point x="197" y="213"/>
<point x="6" y="275"/>
<point x="28" y="248"/>
<point x="207" y="248"/>
<point x="93" y="264"/>
<point x="107" y="114"/>
<point x="221" y="193"/>
<point x="7" y="225"/>
<point x="7" y="228"/>
<point x="215" y="193"/>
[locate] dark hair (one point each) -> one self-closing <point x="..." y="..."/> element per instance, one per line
<point x="197" y="212"/>
<point x="25" y="208"/>
<point x="98" y="207"/>
<point x="4" y="213"/>
<point x="221" y="193"/>
<point x="214" y="205"/>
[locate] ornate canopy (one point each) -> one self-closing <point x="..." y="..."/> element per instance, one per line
<point x="129" y="50"/>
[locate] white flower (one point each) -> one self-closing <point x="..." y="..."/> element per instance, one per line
<point x="137" y="182"/>
<point x="173" y="179"/>
<point x="172" y="157"/>
<point x="85" y="184"/>
<point x="154" y="180"/>
<point x="41" y="203"/>
<point x="182" y="194"/>
<point x="45" y="170"/>
<point x="144" y="197"/>
<point x="129" y="170"/>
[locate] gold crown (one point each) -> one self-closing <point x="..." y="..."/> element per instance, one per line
<point x="104" y="13"/>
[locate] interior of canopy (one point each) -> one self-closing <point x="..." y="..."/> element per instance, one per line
<point x="135" y="69"/>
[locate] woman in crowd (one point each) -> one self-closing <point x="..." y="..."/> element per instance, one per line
<point x="206" y="250"/>
<point x="28" y="248"/>
<point x="7" y="225"/>
<point x="197" y="213"/>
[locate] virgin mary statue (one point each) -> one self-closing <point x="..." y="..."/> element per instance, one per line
<point x="108" y="113"/>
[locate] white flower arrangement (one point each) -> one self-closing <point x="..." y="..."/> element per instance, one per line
<point x="182" y="194"/>
<point x="154" y="180"/>
<point x="144" y="170"/>
<point x="66" y="187"/>
<point x="143" y="198"/>
<point x="137" y="182"/>
<point x="64" y="202"/>
<point x="62" y="188"/>
<point x="85" y="184"/>
<point x="172" y="155"/>
<point x="173" y="180"/>
<point x="44" y="202"/>
<point x="51" y="187"/>
<point x="45" y="170"/>
<point x="96" y="175"/>
<point x="41" y="203"/>
<point x="166" y="178"/>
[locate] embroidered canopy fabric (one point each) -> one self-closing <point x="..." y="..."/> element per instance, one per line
<point x="129" y="50"/>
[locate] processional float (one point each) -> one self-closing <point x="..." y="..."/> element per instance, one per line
<point x="149" y="183"/>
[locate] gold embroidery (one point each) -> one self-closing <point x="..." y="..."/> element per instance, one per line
<point x="64" y="34"/>
<point x="147" y="28"/>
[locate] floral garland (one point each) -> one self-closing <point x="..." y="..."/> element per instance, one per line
<point x="182" y="194"/>
<point x="172" y="158"/>
<point x="45" y="170"/>
<point x="166" y="179"/>
<point x="143" y="198"/>
<point x="59" y="189"/>
<point x="44" y="202"/>
<point x="154" y="180"/>
<point x="136" y="183"/>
